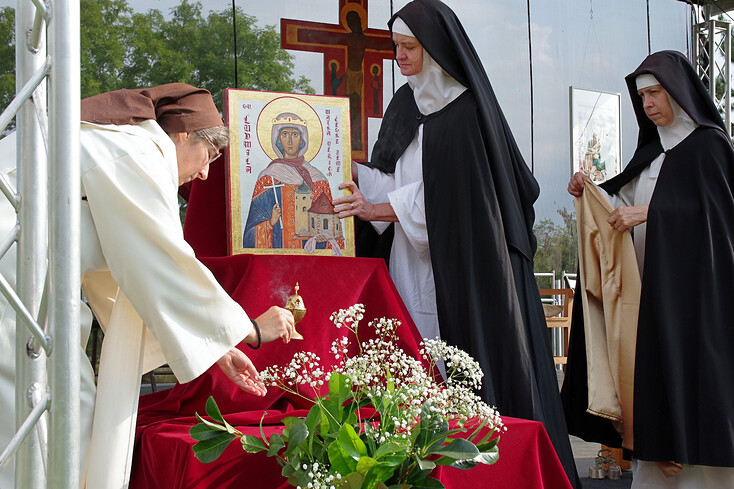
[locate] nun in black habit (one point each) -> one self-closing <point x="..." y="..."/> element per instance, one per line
<point x="679" y="185"/>
<point x="447" y="171"/>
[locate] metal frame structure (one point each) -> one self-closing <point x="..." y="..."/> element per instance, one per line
<point x="46" y="447"/>
<point x="712" y="60"/>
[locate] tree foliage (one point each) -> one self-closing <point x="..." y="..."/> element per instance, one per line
<point x="121" y="48"/>
<point x="197" y="50"/>
<point x="7" y="55"/>
<point x="104" y="33"/>
<point x="557" y="244"/>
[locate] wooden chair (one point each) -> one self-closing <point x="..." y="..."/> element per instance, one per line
<point x="562" y="321"/>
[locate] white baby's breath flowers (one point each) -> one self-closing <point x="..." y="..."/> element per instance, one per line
<point x="320" y="477"/>
<point x="396" y="384"/>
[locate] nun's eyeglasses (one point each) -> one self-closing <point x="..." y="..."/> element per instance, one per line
<point x="217" y="153"/>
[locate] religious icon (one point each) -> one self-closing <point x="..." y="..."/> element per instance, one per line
<point x="288" y="154"/>
<point x="596" y="143"/>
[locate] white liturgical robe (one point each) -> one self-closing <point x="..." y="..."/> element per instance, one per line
<point x="410" y="256"/>
<point x="169" y="308"/>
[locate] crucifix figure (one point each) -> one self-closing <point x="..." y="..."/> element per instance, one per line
<point x="350" y="51"/>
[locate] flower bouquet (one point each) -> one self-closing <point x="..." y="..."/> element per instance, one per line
<point x="384" y="423"/>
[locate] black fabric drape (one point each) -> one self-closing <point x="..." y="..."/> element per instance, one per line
<point x="479" y="196"/>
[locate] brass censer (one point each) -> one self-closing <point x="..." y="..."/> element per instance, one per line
<point x="296" y="306"/>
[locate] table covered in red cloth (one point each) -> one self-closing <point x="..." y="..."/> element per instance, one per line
<point x="163" y="457"/>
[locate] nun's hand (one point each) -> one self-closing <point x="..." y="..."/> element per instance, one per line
<point x="576" y="185"/>
<point x="353" y="205"/>
<point x="623" y="218"/>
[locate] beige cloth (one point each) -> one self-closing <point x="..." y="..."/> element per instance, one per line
<point x="610" y="293"/>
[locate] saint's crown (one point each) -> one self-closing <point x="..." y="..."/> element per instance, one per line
<point x="289" y="120"/>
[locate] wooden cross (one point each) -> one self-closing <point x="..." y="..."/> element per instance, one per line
<point x="353" y="57"/>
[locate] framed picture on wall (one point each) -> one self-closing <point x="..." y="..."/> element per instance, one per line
<point x="288" y="154"/>
<point x="596" y="133"/>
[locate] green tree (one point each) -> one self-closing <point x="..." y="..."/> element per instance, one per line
<point x="197" y="50"/>
<point x="105" y="30"/>
<point x="150" y="61"/>
<point x="124" y="49"/>
<point x="557" y="244"/>
<point x="7" y="56"/>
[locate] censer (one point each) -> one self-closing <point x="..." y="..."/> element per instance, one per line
<point x="296" y="306"/>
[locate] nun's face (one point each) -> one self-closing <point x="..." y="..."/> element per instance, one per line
<point x="657" y="106"/>
<point x="193" y="156"/>
<point x="408" y="54"/>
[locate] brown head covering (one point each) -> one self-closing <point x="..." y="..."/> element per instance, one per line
<point x="177" y="107"/>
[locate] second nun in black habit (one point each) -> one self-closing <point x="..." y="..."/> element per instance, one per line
<point x="447" y="172"/>
<point x="676" y="196"/>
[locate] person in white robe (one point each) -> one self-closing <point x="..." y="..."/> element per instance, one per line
<point x="168" y="307"/>
<point x="401" y="193"/>
<point x="446" y="170"/>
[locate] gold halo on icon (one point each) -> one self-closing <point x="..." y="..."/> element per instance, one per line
<point x="353" y="7"/>
<point x="295" y="106"/>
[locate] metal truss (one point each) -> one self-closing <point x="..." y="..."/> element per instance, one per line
<point x="712" y="59"/>
<point x="45" y="449"/>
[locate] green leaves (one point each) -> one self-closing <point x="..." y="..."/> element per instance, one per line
<point x="7" y="57"/>
<point x="214" y="436"/>
<point x="328" y="436"/>
<point x="339" y="393"/>
<point x="211" y="442"/>
<point x="252" y="444"/>
<point x="350" y="441"/>
<point x="458" y="449"/>
<point x="297" y="433"/>
<point x="341" y="461"/>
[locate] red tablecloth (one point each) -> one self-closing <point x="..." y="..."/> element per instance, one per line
<point x="163" y="456"/>
<point x="164" y="460"/>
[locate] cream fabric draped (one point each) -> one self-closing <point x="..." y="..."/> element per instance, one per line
<point x="610" y="293"/>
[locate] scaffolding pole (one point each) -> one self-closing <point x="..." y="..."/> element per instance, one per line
<point x="46" y="448"/>
<point x="64" y="245"/>
<point x="30" y="462"/>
